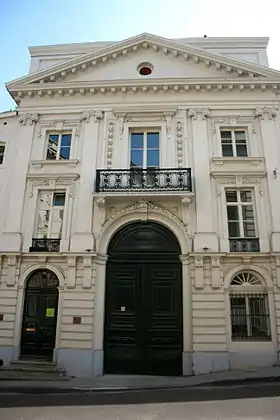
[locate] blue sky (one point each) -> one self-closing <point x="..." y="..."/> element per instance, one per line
<point x="25" y="23"/>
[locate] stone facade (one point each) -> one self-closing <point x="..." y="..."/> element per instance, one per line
<point x="96" y="93"/>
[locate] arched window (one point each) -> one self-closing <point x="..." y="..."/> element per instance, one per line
<point x="249" y="310"/>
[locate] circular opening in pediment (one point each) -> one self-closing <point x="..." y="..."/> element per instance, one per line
<point x="145" y="69"/>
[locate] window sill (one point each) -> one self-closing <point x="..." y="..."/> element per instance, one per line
<point x="71" y="163"/>
<point x="237" y="164"/>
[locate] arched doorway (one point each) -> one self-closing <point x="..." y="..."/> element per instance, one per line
<point x="143" y="305"/>
<point x="40" y="315"/>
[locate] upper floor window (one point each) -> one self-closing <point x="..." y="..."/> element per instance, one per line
<point x="234" y="142"/>
<point x="144" y="149"/>
<point x="2" y="153"/>
<point x="240" y="213"/>
<point x="59" y="146"/>
<point x="249" y="309"/>
<point x="50" y="215"/>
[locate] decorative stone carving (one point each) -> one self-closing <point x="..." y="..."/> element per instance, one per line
<point x="11" y="277"/>
<point x="197" y="113"/>
<point x="101" y="202"/>
<point x="110" y="143"/>
<point x="71" y="272"/>
<point x="28" y="119"/>
<point x="266" y="113"/>
<point x="145" y="206"/>
<point x="180" y="143"/>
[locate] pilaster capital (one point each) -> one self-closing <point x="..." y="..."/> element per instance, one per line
<point x="199" y="113"/>
<point x="266" y="113"/>
<point x="28" y="119"/>
<point x="185" y="259"/>
<point x="71" y="261"/>
<point x="95" y="115"/>
<point x="101" y="259"/>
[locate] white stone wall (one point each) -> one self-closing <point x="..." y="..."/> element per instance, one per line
<point x="189" y="123"/>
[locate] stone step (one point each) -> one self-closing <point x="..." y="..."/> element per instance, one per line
<point x="33" y="368"/>
<point x="37" y="370"/>
<point x="28" y="376"/>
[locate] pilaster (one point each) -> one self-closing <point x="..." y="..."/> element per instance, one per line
<point x="83" y="238"/>
<point x="205" y="235"/>
<point x="269" y="132"/>
<point x="71" y="272"/>
<point x="11" y="239"/>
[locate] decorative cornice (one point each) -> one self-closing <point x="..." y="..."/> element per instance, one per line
<point x="155" y="86"/>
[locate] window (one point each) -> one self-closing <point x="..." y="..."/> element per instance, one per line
<point x="249" y="310"/>
<point x="234" y="142"/>
<point x="59" y="146"/>
<point x="144" y="150"/>
<point x="240" y="214"/>
<point x="50" y="215"/>
<point x="2" y="152"/>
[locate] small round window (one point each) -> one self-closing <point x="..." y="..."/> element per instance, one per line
<point x="145" y="69"/>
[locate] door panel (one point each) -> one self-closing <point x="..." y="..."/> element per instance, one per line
<point x="39" y="323"/>
<point x="143" y="325"/>
<point x="120" y="323"/>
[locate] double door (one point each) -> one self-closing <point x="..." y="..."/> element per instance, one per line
<point x="143" y="318"/>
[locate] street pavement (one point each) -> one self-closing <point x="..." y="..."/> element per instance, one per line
<point x="242" y="409"/>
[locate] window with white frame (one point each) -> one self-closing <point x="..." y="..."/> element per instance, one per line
<point x="2" y="153"/>
<point x="249" y="309"/>
<point x="240" y="213"/>
<point x="59" y="146"/>
<point x="234" y="142"/>
<point x="144" y="149"/>
<point x="50" y="214"/>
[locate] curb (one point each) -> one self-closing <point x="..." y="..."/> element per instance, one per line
<point x="35" y="390"/>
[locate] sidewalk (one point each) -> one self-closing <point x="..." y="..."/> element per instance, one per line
<point x="110" y="383"/>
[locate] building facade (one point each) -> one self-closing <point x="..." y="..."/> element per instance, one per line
<point x="139" y="207"/>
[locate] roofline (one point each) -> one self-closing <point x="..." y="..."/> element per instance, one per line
<point x="8" y="114"/>
<point x="80" y="47"/>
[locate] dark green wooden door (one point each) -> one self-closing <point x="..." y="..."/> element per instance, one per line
<point x="40" y="315"/>
<point x="143" y="323"/>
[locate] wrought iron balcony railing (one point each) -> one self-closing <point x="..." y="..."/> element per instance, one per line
<point x="244" y="245"/>
<point x="113" y="180"/>
<point x="45" y="245"/>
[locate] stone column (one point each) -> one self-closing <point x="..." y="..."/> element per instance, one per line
<point x="11" y="239"/>
<point x="83" y="238"/>
<point x="99" y="312"/>
<point x="205" y="235"/>
<point x="270" y="142"/>
<point x="187" y="316"/>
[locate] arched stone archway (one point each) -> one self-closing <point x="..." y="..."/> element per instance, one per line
<point x="143" y="332"/>
<point x="39" y="319"/>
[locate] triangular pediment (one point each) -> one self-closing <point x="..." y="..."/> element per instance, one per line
<point x="170" y="59"/>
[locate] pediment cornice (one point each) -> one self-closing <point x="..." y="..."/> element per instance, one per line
<point x="60" y="72"/>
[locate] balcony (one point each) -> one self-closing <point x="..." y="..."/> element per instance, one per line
<point x="244" y="245"/>
<point x="138" y="180"/>
<point x="45" y="245"/>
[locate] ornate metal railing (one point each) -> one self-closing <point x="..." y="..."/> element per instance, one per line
<point x="113" y="180"/>
<point x="45" y="245"/>
<point x="244" y="245"/>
